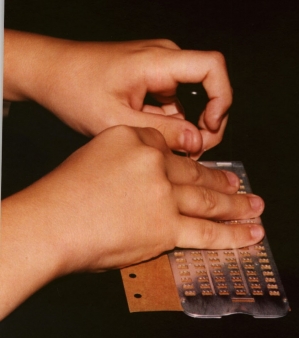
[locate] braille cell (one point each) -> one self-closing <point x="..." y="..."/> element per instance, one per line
<point x="246" y="260"/>
<point x="195" y="253"/>
<point x="259" y="247"/>
<point x="188" y="286"/>
<point x="250" y="273"/>
<point x="257" y="293"/>
<point x="216" y="266"/>
<point x="255" y="286"/>
<point x="183" y="266"/>
<point x="179" y="254"/>
<point x="238" y="285"/>
<point x="201" y="272"/>
<point x="229" y="253"/>
<point x="181" y="260"/>
<point x="231" y="260"/>
<point x="245" y="253"/>
<point x="272" y="286"/>
<point x="232" y="266"/>
<point x="189" y="293"/>
<point x="274" y="293"/>
<point x="249" y="266"/>
<point x="205" y="286"/>
<point x="199" y="266"/>
<point x="184" y="273"/>
<point x="234" y="272"/>
<point x="218" y="272"/>
<point x="207" y="293"/>
<point x="213" y="253"/>
<point x="262" y="254"/>
<point x="264" y="260"/>
<point x="221" y="285"/>
<point x="268" y="273"/>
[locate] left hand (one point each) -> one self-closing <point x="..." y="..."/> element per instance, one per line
<point x="95" y="85"/>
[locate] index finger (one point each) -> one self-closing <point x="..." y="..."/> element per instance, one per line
<point x="210" y="69"/>
<point x="183" y="170"/>
<point x="190" y="66"/>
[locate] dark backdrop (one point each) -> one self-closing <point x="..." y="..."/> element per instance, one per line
<point x="260" y="42"/>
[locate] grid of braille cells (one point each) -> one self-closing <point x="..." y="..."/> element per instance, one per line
<point x="226" y="272"/>
<point x="210" y="281"/>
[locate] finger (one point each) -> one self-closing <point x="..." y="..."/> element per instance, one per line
<point x="179" y="134"/>
<point x="164" y="43"/>
<point x="205" y="234"/>
<point x="171" y="109"/>
<point x="198" y="201"/>
<point x="186" y="66"/>
<point x="182" y="170"/>
<point x="210" y="138"/>
<point x="165" y="111"/>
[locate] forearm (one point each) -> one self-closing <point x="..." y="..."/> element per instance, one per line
<point x="46" y="70"/>
<point x="29" y="253"/>
<point x="29" y="64"/>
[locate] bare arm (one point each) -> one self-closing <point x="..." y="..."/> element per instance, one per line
<point x="110" y="205"/>
<point x="92" y="85"/>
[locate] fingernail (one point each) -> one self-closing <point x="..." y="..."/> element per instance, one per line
<point x="257" y="232"/>
<point x="232" y="178"/>
<point x="187" y="140"/>
<point x="256" y="202"/>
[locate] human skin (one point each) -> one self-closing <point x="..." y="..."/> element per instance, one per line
<point x="110" y="205"/>
<point x="124" y="197"/>
<point x="92" y="86"/>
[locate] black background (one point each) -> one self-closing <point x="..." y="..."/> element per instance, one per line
<point x="260" y="42"/>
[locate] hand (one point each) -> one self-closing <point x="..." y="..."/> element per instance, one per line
<point x="119" y="203"/>
<point x="92" y="86"/>
<point x="113" y="204"/>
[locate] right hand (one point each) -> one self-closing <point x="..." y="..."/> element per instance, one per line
<point x="121" y="199"/>
<point x="119" y="203"/>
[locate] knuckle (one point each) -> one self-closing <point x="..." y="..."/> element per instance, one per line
<point x="217" y="138"/>
<point x="209" y="235"/>
<point x="235" y="237"/>
<point x="209" y="199"/>
<point x="167" y="43"/>
<point x="196" y="171"/>
<point x="155" y="138"/>
<point x="217" y="58"/>
<point x="157" y="135"/>
<point x="154" y="156"/>
<point x="219" y="178"/>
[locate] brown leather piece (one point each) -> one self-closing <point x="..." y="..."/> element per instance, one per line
<point x="150" y="286"/>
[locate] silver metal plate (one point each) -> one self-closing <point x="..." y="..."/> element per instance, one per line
<point x="216" y="283"/>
